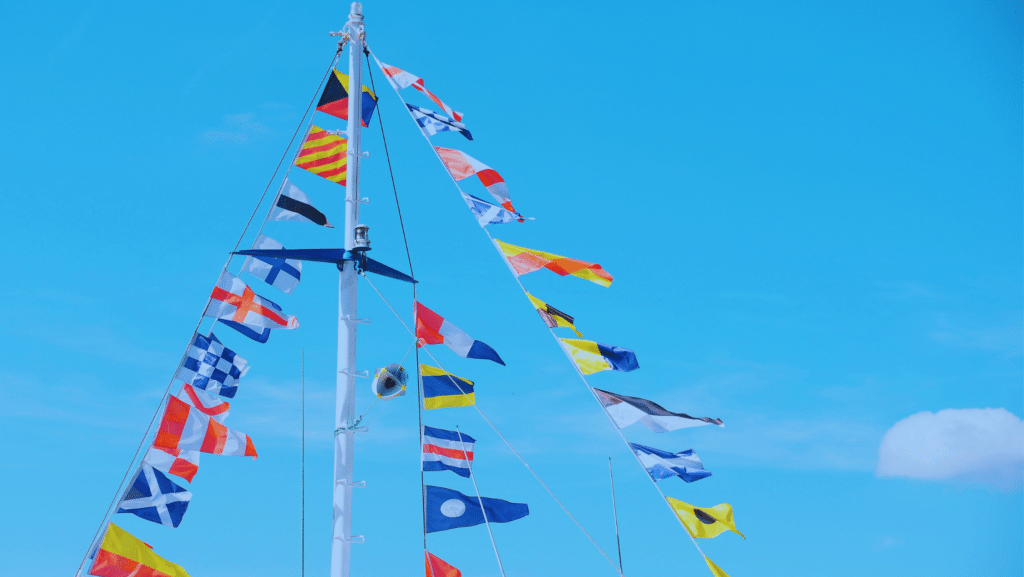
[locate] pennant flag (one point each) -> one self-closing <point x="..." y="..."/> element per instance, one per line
<point x="462" y="165"/>
<point x="400" y="79"/>
<point x="155" y="498"/>
<point x="487" y="213"/>
<point x="293" y="204"/>
<point x="334" y="100"/>
<point x="626" y="410"/>
<point x="122" y="555"/>
<point x="431" y="122"/>
<point x="279" y="273"/>
<point x="553" y="317"/>
<point x="704" y="523"/>
<point x="661" y="464"/>
<point x="438" y="568"/>
<point x="715" y="570"/>
<point x="525" y="260"/>
<point x="447" y="450"/>
<point x="442" y="389"/>
<point x="324" y="154"/>
<point x="432" y="329"/>
<point x="593" y="357"/>
<point x="211" y="366"/>
<point x="184" y="427"/>
<point x="184" y="464"/>
<point x="234" y="301"/>
<point x="449" y="509"/>
<point x="211" y="406"/>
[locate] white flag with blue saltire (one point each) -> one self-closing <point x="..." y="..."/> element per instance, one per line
<point x="661" y="464"/>
<point x="154" y="497"/>
<point x="279" y="273"/>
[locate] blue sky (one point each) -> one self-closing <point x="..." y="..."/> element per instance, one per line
<point x="813" y="215"/>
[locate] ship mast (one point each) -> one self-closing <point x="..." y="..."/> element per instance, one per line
<point x="344" y="441"/>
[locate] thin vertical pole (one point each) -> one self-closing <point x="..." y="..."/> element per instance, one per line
<point x="615" y="514"/>
<point x="472" y="477"/>
<point x="303" y="453"/>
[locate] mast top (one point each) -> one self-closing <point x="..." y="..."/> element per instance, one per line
<point x="356" y="15"/>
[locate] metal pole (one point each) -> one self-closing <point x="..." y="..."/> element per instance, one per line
<point x="615" y="514"/>
<point x="341" y="544"/>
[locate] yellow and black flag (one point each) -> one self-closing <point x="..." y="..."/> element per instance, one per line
<point x="552" y="316"/>
<point x="334" y="100"/>
<point x="704" y="523"/>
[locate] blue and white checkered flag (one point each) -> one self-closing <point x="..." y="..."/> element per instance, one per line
<point x="155" y="498"/>
<point x="212" y="366"/>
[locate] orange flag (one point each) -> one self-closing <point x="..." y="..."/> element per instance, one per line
<point x="438" y="568"/>
<point x="527" y="260"/>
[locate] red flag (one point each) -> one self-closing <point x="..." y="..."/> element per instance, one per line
<point x="438" y="568"/>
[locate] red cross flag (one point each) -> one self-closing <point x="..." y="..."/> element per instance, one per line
<point x="233" y="300"/>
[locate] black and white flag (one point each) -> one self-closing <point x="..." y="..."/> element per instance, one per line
<point x="293" y="204"/>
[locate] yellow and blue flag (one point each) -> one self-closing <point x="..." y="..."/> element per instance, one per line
<point x="442" y="389"/>
<point x="593" y="357"/>
<point x="704" y="522"/>
<point x="334" y="100"/>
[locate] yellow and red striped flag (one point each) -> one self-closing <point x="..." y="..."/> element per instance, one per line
<point x="324" y="154"/>
<point x="122" y="555"/>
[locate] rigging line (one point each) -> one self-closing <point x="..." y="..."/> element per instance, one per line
<point x="108" y="514"/>
<point x="615" y="514"/>
<point x="303" y="451"/>
<point x="479" y="499"/>
<point x="494" y="428"/>
<point x="419" y="420"/>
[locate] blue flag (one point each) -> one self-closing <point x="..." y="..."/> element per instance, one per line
<point x="155" y="498"/>
<point x="661" y="464"/>
<point x="431" y="122"/>
<point x="448" y="509"/>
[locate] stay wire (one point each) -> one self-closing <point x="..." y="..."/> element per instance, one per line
<point x="303" y="452"/>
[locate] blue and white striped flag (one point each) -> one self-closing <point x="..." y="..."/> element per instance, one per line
<point x="212" y="367"/>
<point x="279" y="273"/>
<point x="487" y="213"/>
<point x="155" y="498"/>
<point x="431" y="122"/>
<point x="661" y="464"/>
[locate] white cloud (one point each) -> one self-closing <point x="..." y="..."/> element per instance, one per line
<point x="238" y="129"/>
<point x="973" y="445"/>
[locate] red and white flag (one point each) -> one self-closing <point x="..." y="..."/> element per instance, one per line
<point x="186" y="428"/>
<point x="462" y="165"/>
<point x="400" y="79"/>
<point x="209" y="404"/>
<point x="184" y="464"/>
<point x="233" y="300"/>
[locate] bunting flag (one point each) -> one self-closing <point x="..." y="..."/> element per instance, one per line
<point x="704" y="523"/>
<point x="431" y="122"/>
<point x="551" y="316"/>
<point x="487" y="213"/>
<point x="447" y="450"/>
<point x="293" y="204"/>
<point x="184" y="464"/>
<point x="324" y="154"/>
<point x="280" y="273"/>
<point x="462" y="166"/>
<point x="234" y="301"/>
<point x="593" y="357"/>
<point x="715" y="569"/>
<point x="155" y="498"/>
<point x="626" y="410"/>
<point x="442" y="389"/>
<point x="661" y="464"/>
<point x="122" y="555"/>
<point x="258" y="334"/>
<point x="211" y="406"/>
<point x="400" y="79"/>
<point x="450" y="509"/>
<point x="438" y="568"/>
<point x="334" y="100"/>
<point x="525" y="260"/>
<point x="211" y="366"/>
<point x="184" y="427"/>
<point x="432" y="329"/>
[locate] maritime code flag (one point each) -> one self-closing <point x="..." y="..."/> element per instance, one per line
<point x="715" y="569"/>
<point x="234" y="301"/>
<point x="626" y="410"/>
<point x="450" y="509"/>
<point x="592" y="357"/>
<point x="206" y="403"/>
<point x="211" y="366"/>
<point x="280" y="273"/>
<point x="487" y="213"/>
<point x="324" y="154"/>
<point x="442" y="389"/>
<point x="526" y="260"/>
<point x="184" y="427"/>
<point x="400" y="79"/>
<point x="436" y="567"/>
<point x="334" y="100"/>
<point x="445" y="450"/>
<point x="155" y="498"/>
<point x="661" y="464"/>
<point x="431" y="122"/>
<point x="704" y="522"/>
<point x="462" y="165"/>
<point x="260" y="335"/>
<point x="433" y="329"/>
<point x="122" y="555"/>
<point x="293" y="204"/>
<point x="184" y="464"/>
<point x="551" y="316"/>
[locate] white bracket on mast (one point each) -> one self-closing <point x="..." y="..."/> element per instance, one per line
<point x="360" y="484"/>
<point x="349" y="319"/>
<point x="353" y="539"/>
<point x="361" y="374"/>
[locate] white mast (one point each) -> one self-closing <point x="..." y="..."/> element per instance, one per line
<point x="341" y="544"/>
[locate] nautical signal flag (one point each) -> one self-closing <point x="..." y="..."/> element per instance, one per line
<point x="487" y="213"/>
<point x="432" y="329"/>
<point x="400" y="79"/>
<point x="155" y="498"/>
<point x="447" y="451"/>
<point x="436" y="567"/>
<point x="442" y="389"/>
<point x="211" y="366"/>
<point x="715" y="569"/>
<point x="185" y="427"/>
<point x="334" y="100"/>
<point x="526" y="260"/>
<point x="551" y="316"/>
<point x="122" y="555"/>
<point x="450" y="509"/>
<point x="184" y="464"/>
<point x="661" y="464"/>
<point x="234" y="301"/>
<point x="625" y="411"/>
<point x="704" y="523"/>
<point x="210" y="405"/>
<point x="280" y="273"/>
<point x="593" y="357"/>
<point x="431" y="122"/>
<point x="462" y="165"/>
<point x="293" y="204"/>
<point x="324" y="154"/>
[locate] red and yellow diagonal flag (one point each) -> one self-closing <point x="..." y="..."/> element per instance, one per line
<point x="324" y="154"/>
<point x="525" y="260"/>
<point x="122" y="555"/>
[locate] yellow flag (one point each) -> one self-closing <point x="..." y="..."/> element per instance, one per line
<point x="704" y="523"/>
<point x="122" y="554"/>
<point x="552" y="316"/>
<point x="715" y="569"/>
